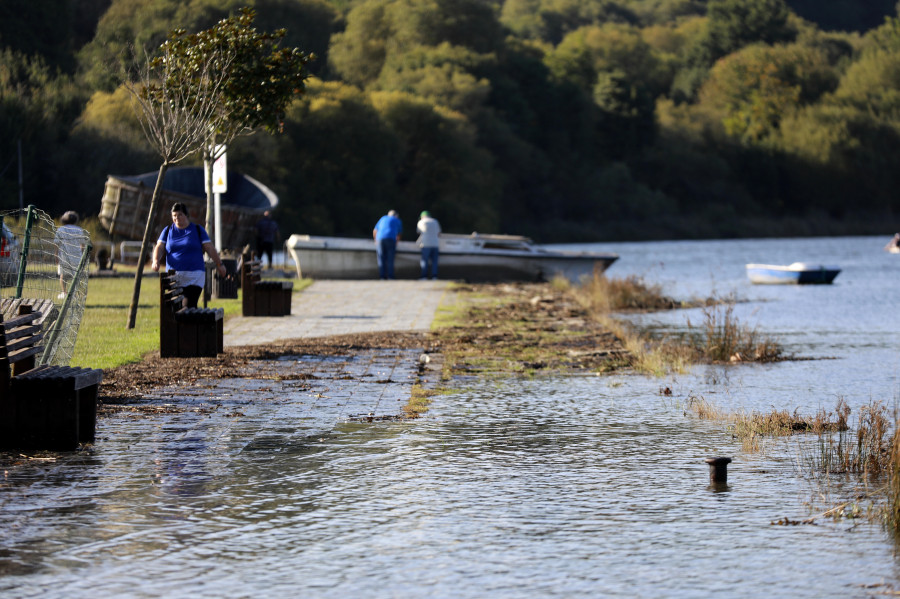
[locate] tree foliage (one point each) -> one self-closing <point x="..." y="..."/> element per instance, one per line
<point x="733" y="24"/>
<point x="570" y="119"/>
<point x="759" y="85"/>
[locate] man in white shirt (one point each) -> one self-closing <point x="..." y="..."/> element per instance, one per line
<point x="429" y="233"/>
<point x="70" y="242"/>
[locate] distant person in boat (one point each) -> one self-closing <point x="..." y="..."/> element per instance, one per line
<point x="429" y="231"/>
<point x="70" y="242"/>
<point x="386" y="235"/>
<point x="183" y="243"/>
<point x="894" y="244"/>
<point x="266" y="236"/>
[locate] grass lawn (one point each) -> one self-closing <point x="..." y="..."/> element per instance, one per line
<point x="104" y="342"/>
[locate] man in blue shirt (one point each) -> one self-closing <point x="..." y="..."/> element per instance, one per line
<point x="386" y="234"/>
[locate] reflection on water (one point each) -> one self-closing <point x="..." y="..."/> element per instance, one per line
<point x="578" y="486"/>
<point x="570" y="486"/>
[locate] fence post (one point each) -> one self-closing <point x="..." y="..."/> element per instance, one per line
<point x="51" y="344"/>
<point x="23" y="259"/>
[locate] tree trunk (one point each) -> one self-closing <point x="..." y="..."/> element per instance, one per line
<point x="145" y="245"/>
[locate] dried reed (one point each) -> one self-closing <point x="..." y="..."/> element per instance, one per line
<point x="865" y="450"/>
<point x="723" y="338"/>
<point x="892" y="509"/>
<point x="600" y="295"/>
<point x="650" y="356"/>
<point x="751" y="428"/>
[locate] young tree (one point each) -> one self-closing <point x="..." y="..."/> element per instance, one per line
<point x="259" y="80"/>
<point x="175" y="105"/>
<point x="223" y="81"/>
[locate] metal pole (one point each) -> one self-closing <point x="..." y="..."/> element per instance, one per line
<point x="21" y="184"/>
<point x="23" y="258"/>
<point x="218" y="221"/>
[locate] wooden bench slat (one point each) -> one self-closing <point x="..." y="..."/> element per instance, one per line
<point x="199" y="314"/>
<point x="187" y="332"/>
<point x="22" y="320"/>
<point x="62" y="376"/>
<point x="41" y="407"/>
<point x="17" y="355"/>
<point x="22" y="332"/>
<point x="26" y="341"/>
<point x="263" y="297"/>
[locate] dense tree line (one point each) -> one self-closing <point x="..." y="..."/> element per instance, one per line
<point x="562" y="119"/>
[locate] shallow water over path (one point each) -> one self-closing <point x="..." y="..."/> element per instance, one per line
<point x="554" y="487"/>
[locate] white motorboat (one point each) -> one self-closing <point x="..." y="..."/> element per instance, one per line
<point x="798" y="273"/>
<point x="476" y="257"/>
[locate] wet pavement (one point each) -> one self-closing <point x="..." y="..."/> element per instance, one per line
<point x="216" y="456"/>
<point x="342" y="307"/>
<point x="326" y="390"/>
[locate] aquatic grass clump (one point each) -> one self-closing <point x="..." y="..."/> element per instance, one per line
<point x="723" y="338"/>
<point x="751" y="428"/>
<point x="892" y="509"/>
<point x="704" y="409"/>
<point x="864" y="450"/>
<point x="601" y="295"/>
<point x="657" y="357"/>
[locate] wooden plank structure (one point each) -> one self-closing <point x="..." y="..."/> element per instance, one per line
<point x="125" y="204"/>
<point x="43" y="407"/>
<point x="263" y="298"/>
<point x="187" y="332"/>
<point x="9" y="308"/>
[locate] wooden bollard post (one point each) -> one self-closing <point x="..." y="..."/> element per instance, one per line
<point x="718" y="470"/>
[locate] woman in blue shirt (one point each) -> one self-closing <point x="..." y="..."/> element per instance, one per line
<point x="183" y="244"/>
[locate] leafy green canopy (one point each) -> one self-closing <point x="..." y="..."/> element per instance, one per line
<point x="254" y="77"/>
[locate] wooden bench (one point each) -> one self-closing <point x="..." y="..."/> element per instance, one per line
<point x="42" y="407"/>
<point x="9" y="307"/>
<point x="263" y="298"/>
<point x="187" y="332"/>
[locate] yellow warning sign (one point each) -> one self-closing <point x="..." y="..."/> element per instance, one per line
<point x="220" y="171"/>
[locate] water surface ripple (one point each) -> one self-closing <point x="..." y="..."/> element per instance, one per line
<point x="582" y="486"/>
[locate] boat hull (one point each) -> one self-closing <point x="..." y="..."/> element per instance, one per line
<point x="795" y="274"/>
<point x="344" y="258"/>
<point x="125" y="205"/>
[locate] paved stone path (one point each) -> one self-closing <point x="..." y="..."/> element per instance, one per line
<point x="168" y="465"/>
<point x="341" y="307"/>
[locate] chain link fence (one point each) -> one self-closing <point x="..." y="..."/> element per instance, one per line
<point x="46" y="267"/>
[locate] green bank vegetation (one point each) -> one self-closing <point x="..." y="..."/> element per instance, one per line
<point x="103" y="341"/>
<point x="720" y="337"/>
<point x="864" y="453"/>
<point x="561" y="119"/>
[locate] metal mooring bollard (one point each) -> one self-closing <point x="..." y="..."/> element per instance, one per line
<point x="718" y="470"/>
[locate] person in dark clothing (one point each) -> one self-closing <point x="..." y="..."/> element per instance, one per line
<point x="266" y="236"/>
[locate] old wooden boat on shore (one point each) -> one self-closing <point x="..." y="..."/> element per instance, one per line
<point x="798" y="273"/>
<point x="126" y="203"/>
<point x="476" y="257"/>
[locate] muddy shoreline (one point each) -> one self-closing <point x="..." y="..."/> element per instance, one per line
<point x="500" y="329"/>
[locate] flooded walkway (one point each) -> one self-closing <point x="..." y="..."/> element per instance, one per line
<point x="341" y="307"/>
<point x="213" y="458"/>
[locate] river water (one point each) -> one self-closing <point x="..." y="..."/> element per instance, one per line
<point x="584" y="486"/>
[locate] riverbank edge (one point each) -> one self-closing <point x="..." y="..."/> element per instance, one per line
<point x="485" y="330"/>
